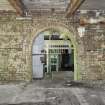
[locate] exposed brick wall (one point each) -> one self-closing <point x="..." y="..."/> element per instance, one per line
<point x="94" y="56"/>
<point x="16" y="39"/>
<point x="12" y="59"/>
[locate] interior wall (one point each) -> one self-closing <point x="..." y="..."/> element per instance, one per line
<point x="16" y="41"/>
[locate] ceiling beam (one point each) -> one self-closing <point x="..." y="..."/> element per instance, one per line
<point x="16" y="4"/>
<point x="73" y="6"/>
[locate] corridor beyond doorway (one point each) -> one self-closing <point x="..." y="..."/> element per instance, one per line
<point x="53" y="55"/>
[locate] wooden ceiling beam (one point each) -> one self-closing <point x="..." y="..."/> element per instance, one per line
<point x="16" y="4"/>
<point x="73" y="6"/>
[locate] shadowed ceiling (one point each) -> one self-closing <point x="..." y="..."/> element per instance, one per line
<point x="68" y="7"/>
<point x="5" y="5"/>
<point x="56" y="6"/>
<point x="93" y="5"/>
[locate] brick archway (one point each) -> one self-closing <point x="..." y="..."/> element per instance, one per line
<point x="71" y="34"/>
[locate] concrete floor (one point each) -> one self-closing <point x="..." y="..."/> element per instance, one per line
<point x="62" y="75"/>
<point x="50" y="92"/>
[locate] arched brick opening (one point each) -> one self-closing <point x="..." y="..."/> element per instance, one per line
<point x="72" y="36"/>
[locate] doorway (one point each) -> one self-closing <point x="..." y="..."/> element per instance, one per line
<point x="53" y="53"/>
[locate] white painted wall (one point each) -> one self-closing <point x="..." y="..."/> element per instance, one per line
<point x="38" y="45"/>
